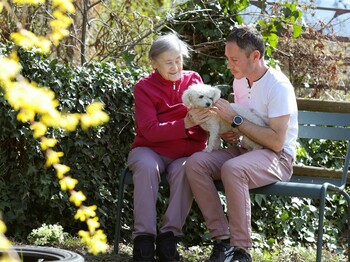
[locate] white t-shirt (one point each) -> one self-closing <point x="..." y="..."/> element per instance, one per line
<point x="271" y="96"/>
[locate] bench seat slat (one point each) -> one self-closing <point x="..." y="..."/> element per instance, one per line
<point x="290" y="189"/>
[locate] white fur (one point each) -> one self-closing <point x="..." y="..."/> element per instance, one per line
<point x="204" y="96"/>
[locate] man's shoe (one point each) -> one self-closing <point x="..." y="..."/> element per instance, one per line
<point x="143" y="249"/>
<point x="240" y="255"/>
<point x="167" y="247"/>
<point x="222" y="252"/>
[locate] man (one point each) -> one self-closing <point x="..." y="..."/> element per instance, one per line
<point x="270" y="95"/>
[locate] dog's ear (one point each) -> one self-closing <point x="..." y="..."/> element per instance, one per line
<point x="217" y="93"/>
<point x="186" y="97"/>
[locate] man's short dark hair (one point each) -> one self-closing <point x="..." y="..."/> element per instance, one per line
<point x="247" y="38"/>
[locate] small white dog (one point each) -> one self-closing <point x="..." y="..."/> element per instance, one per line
<point x="204" y="96"/>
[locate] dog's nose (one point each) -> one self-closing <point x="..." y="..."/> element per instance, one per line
<point x="208" y="104"/>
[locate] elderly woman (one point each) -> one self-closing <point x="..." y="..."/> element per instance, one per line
<point x="165" y="137"/>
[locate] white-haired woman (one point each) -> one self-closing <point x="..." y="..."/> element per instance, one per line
<point x="165" y="137"/>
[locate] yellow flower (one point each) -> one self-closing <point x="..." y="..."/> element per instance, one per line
<point x="10" y="257"/>
<point x="39" y="129"/>
<point x="98" y="243"/>
<point x="44" y="45"/>
<point x="24" y="38"/>
<point x="4" y="243"/>
<point x="2" y="227"/>
<point x="77" y="198"/>
<point x="69" y="122"/>
<point x="53" y="157"/>
<point x="68" y="183"/>
<point x="30" y="2"/>
<point x="26" y="95"/>
<point x="93" y="224"/>
<point x="61" y="170"/>
<point x="85" y="121"/>
<point x="94" y="116"/>
<point x="57" y="35"/>
<point x="9" y="68"/>
<point x="62" y="20"/>
<point x="28" y="40"/>
<point x="51" y="119"/>
<point x="92" y="108"/>
<point x="64" y="5"/>
<point x="46" y="143"/>
<point x="84" y="213"/>
<point x="85" y="236"/>
<point x="26" y="115"/>
<point x="99" y="118"/>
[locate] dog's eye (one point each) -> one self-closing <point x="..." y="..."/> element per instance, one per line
<point x="201" y="96"/>
<point x="211" y="98"/>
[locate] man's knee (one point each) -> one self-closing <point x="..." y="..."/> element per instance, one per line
<point x="193" y="162"/>
<point x="192" y="166"/>
<point x="231" y="170"/>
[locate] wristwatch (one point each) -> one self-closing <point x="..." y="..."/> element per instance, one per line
<point x="237" y="121"/>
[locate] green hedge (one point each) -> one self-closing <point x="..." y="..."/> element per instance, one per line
<point x="29" y="193"/>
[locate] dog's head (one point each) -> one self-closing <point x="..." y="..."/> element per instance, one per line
<point x="201" y="96"/>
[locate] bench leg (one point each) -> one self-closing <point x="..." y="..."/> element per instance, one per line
<point x="321" y="225"/>
<point x="347" y="197"/>
<point x="119" y="210"/>
<point x="348" y="228"/>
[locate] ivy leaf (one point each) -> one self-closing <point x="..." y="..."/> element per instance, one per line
<point x="297" y="29"/>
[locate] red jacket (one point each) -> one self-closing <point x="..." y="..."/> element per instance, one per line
<point x="160" y="113"/>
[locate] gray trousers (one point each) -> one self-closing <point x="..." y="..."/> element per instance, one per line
<point x="239" y="171"/>
<point x="146" y="166"/>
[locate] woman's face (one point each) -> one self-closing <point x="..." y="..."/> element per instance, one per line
<point x="169" y="65"/>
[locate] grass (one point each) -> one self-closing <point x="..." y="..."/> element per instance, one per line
<point x="201" y="253"/>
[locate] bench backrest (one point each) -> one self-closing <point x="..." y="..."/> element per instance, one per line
<point x="324" y="125"/>
<point x="331" y="124"/>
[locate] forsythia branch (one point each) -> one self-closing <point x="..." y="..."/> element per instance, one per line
<point x="38" y="107"/>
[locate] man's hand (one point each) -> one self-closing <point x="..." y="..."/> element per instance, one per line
<point x="223" y="108"/>
<point x="230" y="137"/>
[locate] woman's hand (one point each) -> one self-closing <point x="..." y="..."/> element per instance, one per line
<point x="196" y="117"/>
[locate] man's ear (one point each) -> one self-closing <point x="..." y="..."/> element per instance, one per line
<point x="256" y="55"/>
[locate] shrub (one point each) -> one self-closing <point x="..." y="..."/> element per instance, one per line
<point x="47" y="235"/>
<point x="30" y="194"/>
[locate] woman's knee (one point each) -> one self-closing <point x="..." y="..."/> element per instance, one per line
<point x="143" y="158"/>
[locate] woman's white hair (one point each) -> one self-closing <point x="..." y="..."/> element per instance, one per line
<point x="168" y="42"/>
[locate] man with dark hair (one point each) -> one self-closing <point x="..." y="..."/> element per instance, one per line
<point x="269" y="94"/>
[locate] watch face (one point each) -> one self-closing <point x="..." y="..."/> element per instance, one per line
<point x="238" y="120"/>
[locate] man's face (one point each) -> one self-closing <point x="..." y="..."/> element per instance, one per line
<point x="238" y="62"/>
<point x="169" y="65"/>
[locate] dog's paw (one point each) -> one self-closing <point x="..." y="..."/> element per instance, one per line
<point x="207" y="150"/>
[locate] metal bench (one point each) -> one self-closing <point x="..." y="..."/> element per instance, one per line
<point x="317" y="120"/>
